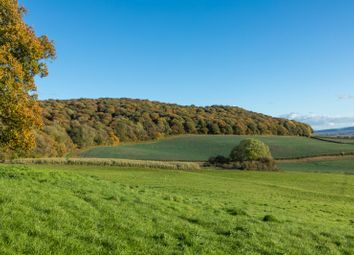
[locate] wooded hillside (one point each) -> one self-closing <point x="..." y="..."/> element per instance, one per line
<point x="71" y="124"/>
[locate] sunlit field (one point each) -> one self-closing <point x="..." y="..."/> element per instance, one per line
<point x="111" y="210"/>
<point x="336" y="164"/>
<point x="201" y="147"/>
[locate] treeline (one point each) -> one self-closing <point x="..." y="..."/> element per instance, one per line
<point x="72" y="124"/>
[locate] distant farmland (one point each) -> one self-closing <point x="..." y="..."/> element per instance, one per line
<point x="201" y="147"/>
<point x="336" y="164"/>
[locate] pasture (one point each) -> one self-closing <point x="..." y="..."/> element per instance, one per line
<point x="201" y="147"/>
<point x="61" y="209"/>
<point x="346" y="140"/>
<point x="337" y="164"/>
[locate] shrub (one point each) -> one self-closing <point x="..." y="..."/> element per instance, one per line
<point x="263" y="164"/>
<point x="250" y="150"/>
<point x="218" y="160"/>
<point x="250" y="154"/>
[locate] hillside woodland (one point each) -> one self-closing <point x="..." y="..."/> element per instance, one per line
<point x="81" y="123"/>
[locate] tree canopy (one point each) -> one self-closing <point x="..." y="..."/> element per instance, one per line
<point x="81" y="123"/>
<point x="21" y="59"/>
<point x="250" y="150"/>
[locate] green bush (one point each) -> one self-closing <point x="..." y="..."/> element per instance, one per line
<point x="250" y="150"/>
<point x="263" y="164"/>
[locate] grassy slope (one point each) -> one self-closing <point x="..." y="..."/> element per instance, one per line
<point x="340" y="164"/>
<point x="201" y="147"/>
<point x="107" y="210"/>
<point x="340" y="140"/>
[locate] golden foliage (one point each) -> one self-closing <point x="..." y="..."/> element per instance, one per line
<point x="21" y="59"/>
<point x="83" y="123"/>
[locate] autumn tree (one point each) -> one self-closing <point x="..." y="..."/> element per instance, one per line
<point x="21" y="59"/>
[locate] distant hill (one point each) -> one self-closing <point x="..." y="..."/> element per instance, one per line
<point x="349" y="131"/>
<point x="81" y="123"/>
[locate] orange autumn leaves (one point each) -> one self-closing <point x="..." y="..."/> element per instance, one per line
<point x="21" y="59"/>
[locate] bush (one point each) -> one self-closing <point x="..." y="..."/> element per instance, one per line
<point x="263" y="164"/>
<point x="250" y="154"/>
<point x="250" y="150"/>
<point x="218" y="160"/>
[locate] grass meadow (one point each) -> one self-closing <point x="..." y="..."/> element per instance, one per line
<point x="345" y="140"/>
<point x="72" y="209"/>
<point x="337" y="164"/>
<point x="201" y="147"/>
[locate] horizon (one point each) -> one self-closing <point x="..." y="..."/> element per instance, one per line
<point x="289" y="59"/>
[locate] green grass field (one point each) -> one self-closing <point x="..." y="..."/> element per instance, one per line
<point x="339" y="139"/>
<point x="201" y="147"/>
<point x="342" y="164"/>
<point x="110" y="210"/>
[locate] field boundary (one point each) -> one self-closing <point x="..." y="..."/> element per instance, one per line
<point x="328" y="140"/>
<point x="109" y="162"/>
<point x="341" y="154"/>
<point x="316" y="158"/>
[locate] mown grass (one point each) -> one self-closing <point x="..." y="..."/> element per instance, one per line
<point x="201" y="147"/>
<point x="340" y="164"/>
<point x="75" y="209"/>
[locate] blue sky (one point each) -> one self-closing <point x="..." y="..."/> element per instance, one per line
<point x="275" y="57"/>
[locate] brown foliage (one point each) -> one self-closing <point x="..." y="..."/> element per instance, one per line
<point x="107" y="121"/>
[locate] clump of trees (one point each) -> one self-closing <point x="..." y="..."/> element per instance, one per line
<point x="21" y="59"/>
<point x="81" y="123"/>
<point x="250" y="154"/>
<point x="250" y="150"/>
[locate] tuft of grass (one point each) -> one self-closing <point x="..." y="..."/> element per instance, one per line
<point x="236" y="211"/>
<point x="270" y="217"/>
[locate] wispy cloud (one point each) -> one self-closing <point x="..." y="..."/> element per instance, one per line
<point x="321" y="121"/>
<point x="345" y="97"/>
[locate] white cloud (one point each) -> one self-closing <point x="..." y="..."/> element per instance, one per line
<point x="321" y="121"/>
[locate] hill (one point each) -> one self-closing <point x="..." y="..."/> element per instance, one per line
<point x="349" y="131"/>
<point x="201" y="147"/>
<point x="342" y="164"/>
<point x="109" y="210"/>
<point x="81" y="123"/>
